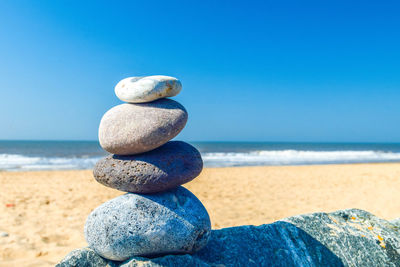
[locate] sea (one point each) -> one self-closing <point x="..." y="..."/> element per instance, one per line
<point x="67" y="155"/>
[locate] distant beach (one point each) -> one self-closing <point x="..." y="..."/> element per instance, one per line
<point x="80" y="155"/>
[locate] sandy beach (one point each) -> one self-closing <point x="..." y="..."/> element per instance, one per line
<point x="43" y="212"/>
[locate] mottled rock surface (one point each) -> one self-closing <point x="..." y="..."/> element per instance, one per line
<point x="396" y="222"/>
<point x="342" y="238"/>
<point x="357" y="237"/>
<point x="81" y="258"/>
<point x="84" y="257"/>
<point x="166" y="167"/>
<point x="147" y="89"/>
<point x="163" y="223"/>
<point x="130" y="129"/>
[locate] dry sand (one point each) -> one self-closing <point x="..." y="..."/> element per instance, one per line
<point x="44" y="212"/>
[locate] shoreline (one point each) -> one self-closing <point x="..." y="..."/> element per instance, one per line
<point x="221" y="167"/>
<point x="45" y="211"/>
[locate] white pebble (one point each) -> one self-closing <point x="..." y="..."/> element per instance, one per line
<point x="147" y="89"/>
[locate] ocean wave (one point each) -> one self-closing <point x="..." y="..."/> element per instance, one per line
<point x="15" y="162"/>
<point x="296" y="157"/>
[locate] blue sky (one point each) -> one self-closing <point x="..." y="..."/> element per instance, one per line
<point x="251" y="70"/>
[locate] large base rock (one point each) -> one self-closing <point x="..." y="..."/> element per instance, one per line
<point x="343" y="238"/>
<point x="170" y="222"/>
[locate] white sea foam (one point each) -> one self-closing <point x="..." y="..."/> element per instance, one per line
<point x="15" y="162"/>
<point x="296" y="157"/>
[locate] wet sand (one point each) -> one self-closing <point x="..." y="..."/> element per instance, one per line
<point x="43" y="212"/>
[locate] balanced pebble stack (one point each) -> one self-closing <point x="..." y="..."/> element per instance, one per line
<point x="157" y="216"/>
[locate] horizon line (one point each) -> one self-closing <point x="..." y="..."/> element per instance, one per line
<point x="212" y="141"/>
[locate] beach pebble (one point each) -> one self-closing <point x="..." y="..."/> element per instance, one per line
<point x="166" y="167"/>
<point x="3" y="234"/>
<point x="129" y="129"/>
<point x="147" y="89"/>
<point x="170" y="222"/>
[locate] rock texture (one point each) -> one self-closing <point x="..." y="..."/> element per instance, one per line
<point x="396" y="222"/>
<point x="170" y="222"/>
<point x="147" y="89"/>
<point x="84" y="257"/>
<point x="166" y="167"/>
<point x="357" y="237"/>
<point x="129" y="129"/>
<point x="343" y="238"/>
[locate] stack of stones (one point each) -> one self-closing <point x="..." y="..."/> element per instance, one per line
<point x="157" y="216"/>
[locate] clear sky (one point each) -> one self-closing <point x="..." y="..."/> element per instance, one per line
<point x="251" y="70"/>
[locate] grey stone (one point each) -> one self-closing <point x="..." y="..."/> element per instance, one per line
<point x="169" y="260"/>
<point x="343" y="238"/>
<point x="396" y="222"/>
<point x="357" y="237"/>
<point x="84" y="257"/>
<point x="87" y="257"/>
<point x="166" y="167"/>
<point x="170" y="222"/>
<point x="130" y="129"/>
